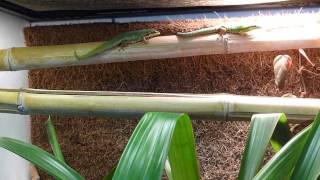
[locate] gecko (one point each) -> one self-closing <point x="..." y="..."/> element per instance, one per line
<point x="221" y="30"/>
<point x="120" y="40"/>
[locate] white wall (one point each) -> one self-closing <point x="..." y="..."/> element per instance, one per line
<point x="13" y="167"/>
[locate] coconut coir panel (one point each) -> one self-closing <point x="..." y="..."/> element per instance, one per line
<point x="93" y="145"/>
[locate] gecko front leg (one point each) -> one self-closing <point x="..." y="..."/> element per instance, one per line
<point x="221" y="31"/>
<point x="123" y="45"/>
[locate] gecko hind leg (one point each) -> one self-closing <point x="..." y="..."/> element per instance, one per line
<point x="145" y="40"/>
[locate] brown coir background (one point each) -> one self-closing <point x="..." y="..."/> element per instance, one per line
<point x="93" y="145"/>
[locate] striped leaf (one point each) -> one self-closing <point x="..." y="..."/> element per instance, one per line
<point x="308" y="165"/>
<point x="53" y="140"/>
<point x="261" y="130"/>
<point x="156" y="137"/>
<point x="40" y="158"/>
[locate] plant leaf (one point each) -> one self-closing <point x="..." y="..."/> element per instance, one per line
<point x="110" y="174"/>
<point x="260" y="131"/>
<point x="40" y="158"/>
<point x="282" y="163"/>
<point x="53" y="140"/>
<point x="182" y="152"/>
<point x="154" y="137"/>
<point x="281" y="135"/>
<point x="308" y="165"/>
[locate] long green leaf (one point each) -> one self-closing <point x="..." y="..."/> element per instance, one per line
<point x="40" y="158"/>
<point x="260" y="132"/>
<point x="282" y="163"/>
<point x="308" y="165"/>
<point x="53" y="140"/>
<point x="110" y="174"/>
<point x="154" y="137"/>
<point x="281" y="135"/>
<point x="182" y="152"/>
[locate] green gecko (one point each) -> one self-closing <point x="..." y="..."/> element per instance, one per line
<point x="120" y="40"/>
<point x="221" y="30"/>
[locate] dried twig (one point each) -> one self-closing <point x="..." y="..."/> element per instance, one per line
<point x="304" y="91"/>
<point x="308" y="71"/>
<point x="301" y="51"/>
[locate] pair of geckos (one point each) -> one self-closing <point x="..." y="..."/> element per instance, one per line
<point x="132" y="37"/>
<point x="282" y="63"/>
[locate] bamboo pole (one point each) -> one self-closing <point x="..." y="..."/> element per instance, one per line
<point x="135" y="104"/>
<point x="162" y="47"/>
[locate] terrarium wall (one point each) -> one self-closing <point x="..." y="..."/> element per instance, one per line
<point x="93" y="145"/>
<point x="12" y="125"/>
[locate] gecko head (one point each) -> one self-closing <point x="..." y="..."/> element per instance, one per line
<point x="150" y="33"/>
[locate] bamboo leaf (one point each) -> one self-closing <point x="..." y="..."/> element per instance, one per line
<point x="40" y="158"/>
<point x="182" y="152"/>
<point x="308" y="165"/>
<point x="260" y="132"/>
<point x="53" y="140"/>
<point x="282" y="163"/>
<point x="281" y="135"/>
<point x="154" y="137"/>
<point x="109" y="176"/>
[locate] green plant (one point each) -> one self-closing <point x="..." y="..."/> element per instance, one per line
<point x="53" y="140"/>
<point x="165" y="141"/>
<point x="40" y="158"/>
<point x="159" y="139"/>
<point x="296" y="158"/>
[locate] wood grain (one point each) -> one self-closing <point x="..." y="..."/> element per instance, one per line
<point x="50" y="5"/>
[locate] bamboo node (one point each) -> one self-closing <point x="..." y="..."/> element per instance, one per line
<point x="20" y="107"/>
<point x="225" y="42"/>
<point x="8" y="56"/>
<point x="226" y="110"/>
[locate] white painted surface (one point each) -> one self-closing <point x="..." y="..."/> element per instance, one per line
<point x="13" y="167"/>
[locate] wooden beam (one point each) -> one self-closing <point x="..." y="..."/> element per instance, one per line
<point x="53" y="5"/>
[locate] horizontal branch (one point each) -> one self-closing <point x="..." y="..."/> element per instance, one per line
<point x="162" y="47"/>
<point x="134" y="104"/>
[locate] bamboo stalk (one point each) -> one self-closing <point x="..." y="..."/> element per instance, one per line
<point x="134" y="104"/>
<point x="63" y="55"/>
<point x="162" y="47"/>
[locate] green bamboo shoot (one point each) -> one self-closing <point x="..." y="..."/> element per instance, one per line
<point x="277" y="38"/>
<point x="24" y="58"/>
<point x="135" y="104"/>
<point x="21" y="58"/>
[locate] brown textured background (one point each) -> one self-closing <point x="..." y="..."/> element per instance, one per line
<point x="93" y="145"/>
<point x="51" y="5"/>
